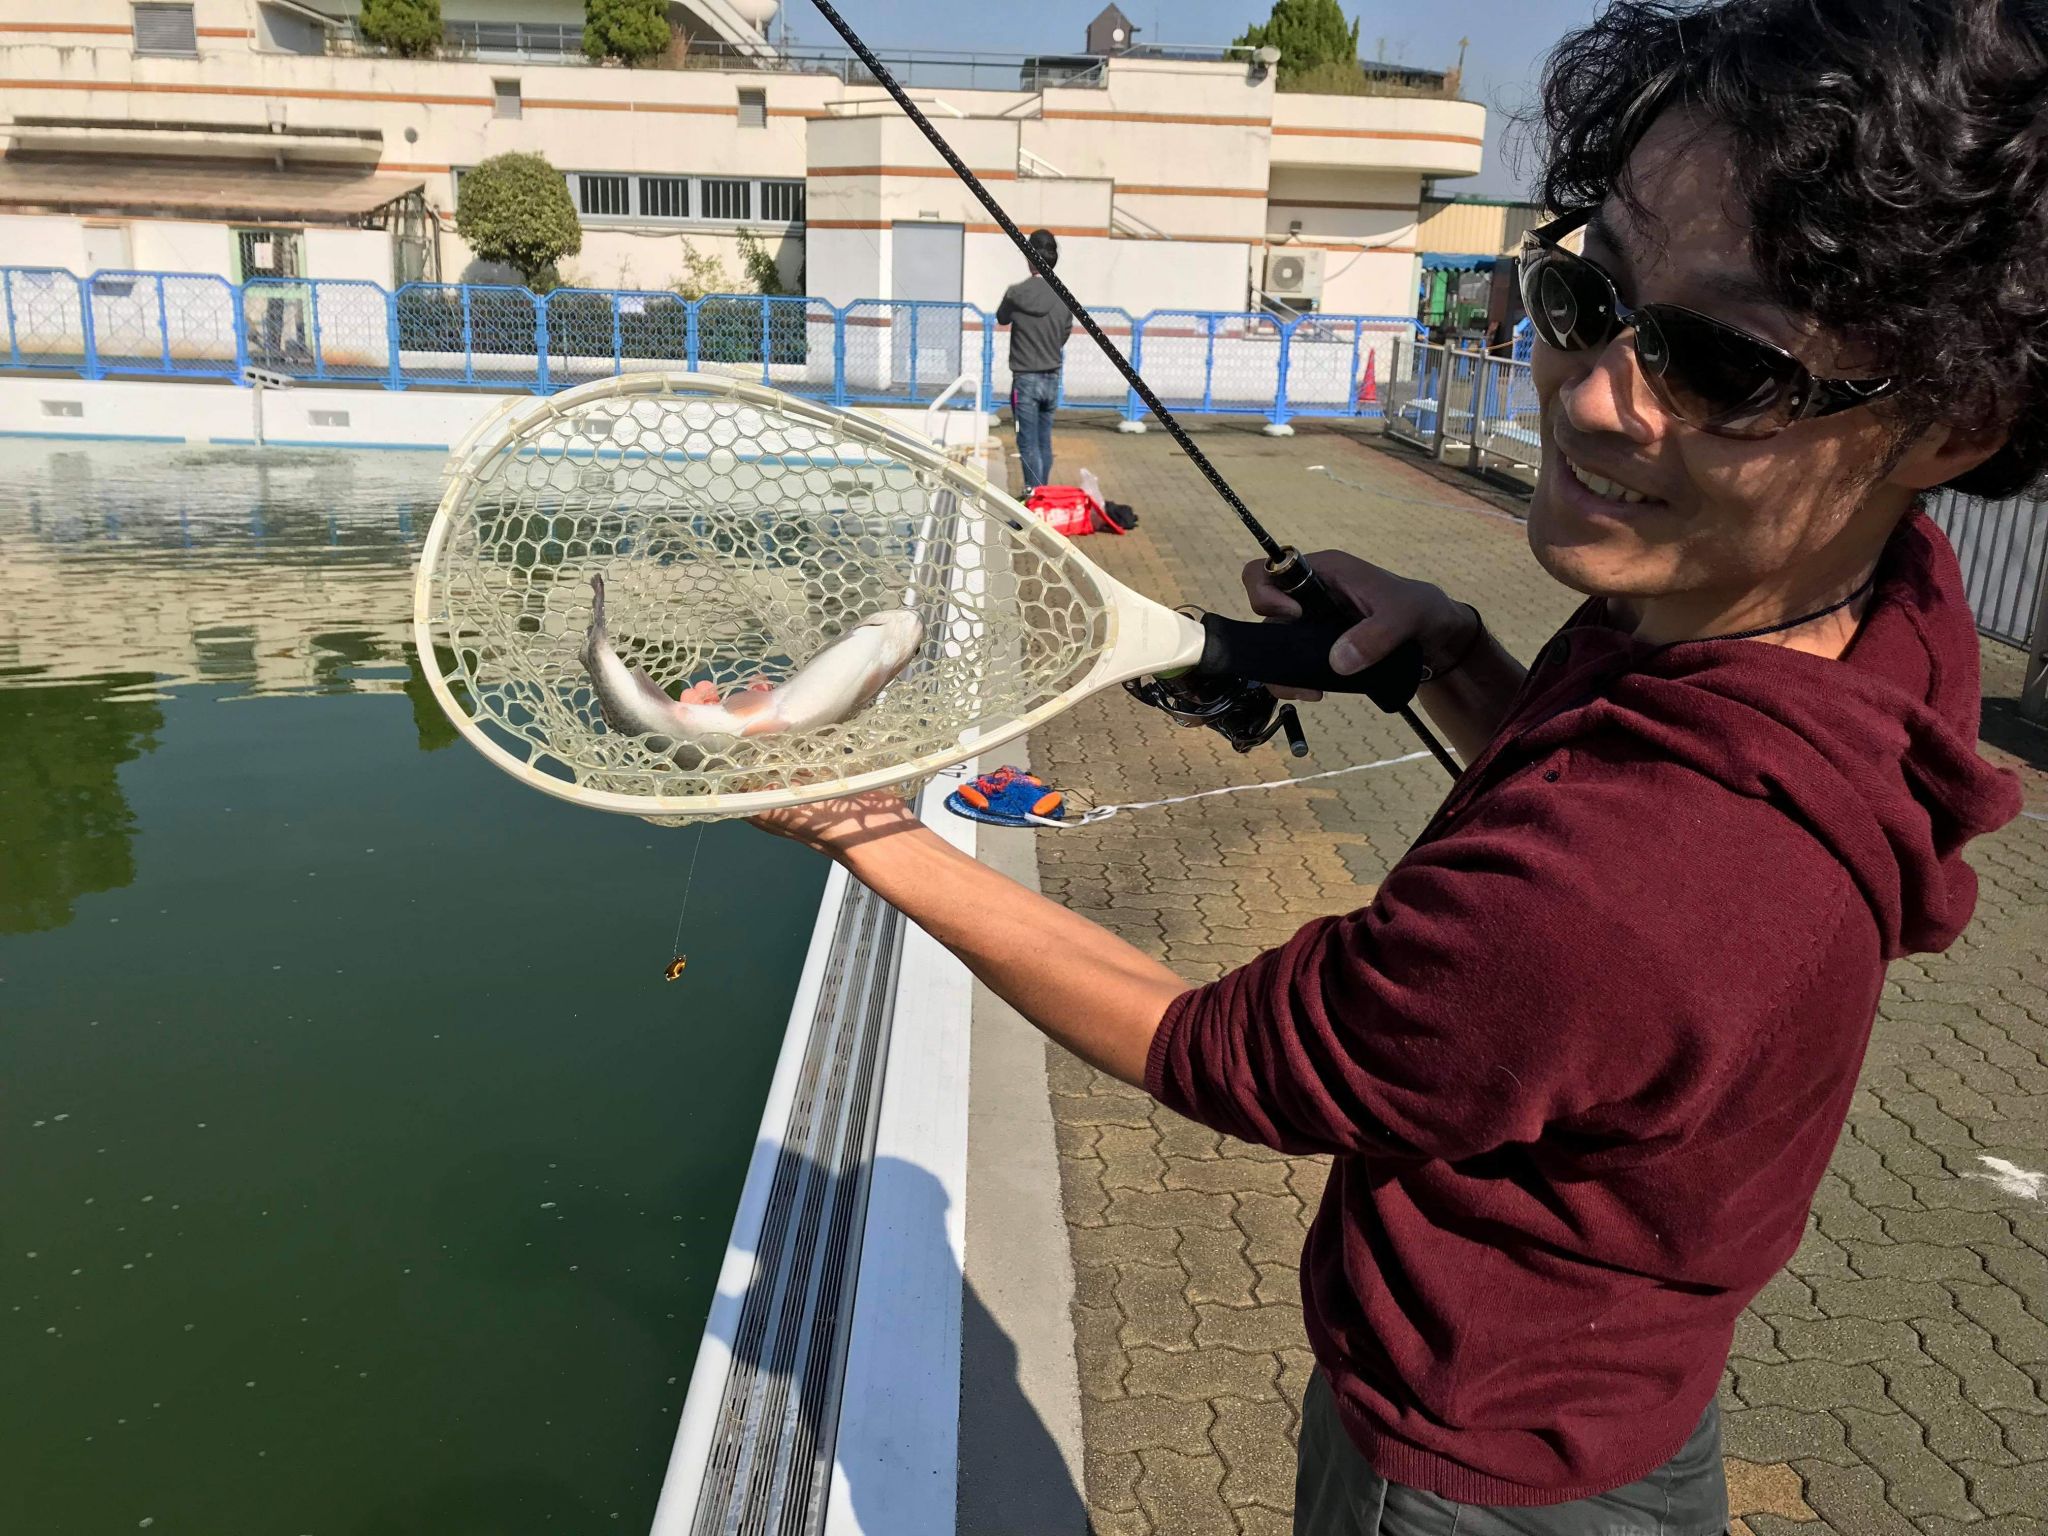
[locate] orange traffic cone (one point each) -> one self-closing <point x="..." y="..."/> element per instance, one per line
<point x="1369" y="391"/>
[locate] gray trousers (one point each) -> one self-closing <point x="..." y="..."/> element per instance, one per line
<point x="1337" y="1494"/>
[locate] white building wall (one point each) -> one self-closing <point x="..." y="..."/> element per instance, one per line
<point x="173" y="245"/>
<point x="33" y="240"/>
<point x="360" y="254"/>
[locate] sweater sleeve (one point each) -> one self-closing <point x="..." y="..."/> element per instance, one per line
<point x="1547" y="960"/>
<point x="1007" y="310"/>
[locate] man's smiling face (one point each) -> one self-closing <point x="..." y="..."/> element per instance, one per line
<point x="1632" y="502"/>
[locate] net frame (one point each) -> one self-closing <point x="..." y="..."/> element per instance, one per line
<point x="1130" y="635"/>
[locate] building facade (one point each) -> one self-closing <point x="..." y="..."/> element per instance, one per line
<point x="245" y="137"/>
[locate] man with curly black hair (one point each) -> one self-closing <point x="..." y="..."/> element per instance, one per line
<point x="1583" y="1061"/>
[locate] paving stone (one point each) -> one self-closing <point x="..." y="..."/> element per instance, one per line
<point x="1989" y="1380"/>
<point x="1125" y="1244"/>
<point x="1775" y="1489"/>
<point x="1112" y="1479"/>
<point x="1755" y="1340"/>
<point x="1279" y="1284"/>
<point x="1266" y="1329"/>
<point x="1797" y="1434"/>
<point x="1916" y="1481"/>
<point x="1216" y="1267"/>
<point x="1204" y="1375"/>
<point x="1129" y="1156"/>
<point x="2015" y="1333"/>
<point x="1257" y="1520"/>
<point x="1254" y="1440"/>
<point x="1272" y="1228"/>
<point x="1134" y="1424"/>
<point x="1181" y="1494"/>
<point x="1851" y="1500"/>
<point x="1956" y="1429"/>
<point x="1170" y="1208"/>
<point x="2019" y="1490"/>
<point x="1810" y="1384"/>
<point x="1846" y="1340"/>
<point x="1915" y="1261"/>
<point x="1155" y="1307"/>
<point x="1882" y="1300"/>
<point x="1228" y="1175"/>
<point x="1183" y="1138"/>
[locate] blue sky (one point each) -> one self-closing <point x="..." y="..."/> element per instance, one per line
<point x="1509" y="38"/>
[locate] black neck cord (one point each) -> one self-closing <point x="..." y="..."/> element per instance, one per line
<point x="1761" y="630"/>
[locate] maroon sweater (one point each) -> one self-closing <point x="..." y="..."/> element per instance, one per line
<point x="1583" y="1060"/>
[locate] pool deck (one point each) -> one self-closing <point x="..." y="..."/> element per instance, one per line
<point x="1892" y="1380"/>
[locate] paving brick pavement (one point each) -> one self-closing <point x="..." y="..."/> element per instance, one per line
<point x="1893" y="1378"/>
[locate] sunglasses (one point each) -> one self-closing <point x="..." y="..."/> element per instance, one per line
<point x="1708" y="374"/>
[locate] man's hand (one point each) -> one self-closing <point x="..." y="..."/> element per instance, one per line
<point x="1391" y="608"/>
<point x="836" y="827"/>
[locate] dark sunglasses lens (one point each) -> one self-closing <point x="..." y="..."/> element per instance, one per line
<point x="1713" y="376"/>
<point x="1568" y="302"/>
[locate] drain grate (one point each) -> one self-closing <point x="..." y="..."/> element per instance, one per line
<point x="769" y="1469"/>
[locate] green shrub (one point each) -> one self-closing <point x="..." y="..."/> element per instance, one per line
<point x="702" y="273"/>
<point x="760" y="266"/>
<point x="1309" y="34"/>
<point x="409" y="28"/>
<point x="515" y="208"/>
<point x="632" y="30"/>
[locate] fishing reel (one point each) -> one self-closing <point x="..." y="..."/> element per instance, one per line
<point x="1245" y="714"/>
<point x="1227" y="691"/>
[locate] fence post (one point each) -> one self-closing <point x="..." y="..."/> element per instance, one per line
<point x="2034" y="684"/>
<point x="13" y="337"/>
<point x="1443" y="398"/>
<point x="468" y="338"/>
<point x="89" y="329"/>
<point x="839" y="354"/>
<point x="319" y="336"/>
<point x="988" y="363"/>
<point x="393" y="336"/>
<point x="1134" y="420"/>
<point x="767" y="337"/>
<point x="619" y="334"/>
<point x="540" y="339"/>
<point x="240" y="300"/>
<point x="1277" y="426"/>
<point x="690" y="334"/>
<point x="1482" y="374"/>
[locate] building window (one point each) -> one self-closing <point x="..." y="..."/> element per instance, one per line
<point x="753" y="109"/>
<point x="165" y="29"/>
<point x="731" y="201"/>
<point x="664" y="197"/>
<point x="506" y="100"/>
<point x="604" y="197"/>
<point x="782" y="202"/>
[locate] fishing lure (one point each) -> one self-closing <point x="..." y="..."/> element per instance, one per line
<point x="675" y="968"/>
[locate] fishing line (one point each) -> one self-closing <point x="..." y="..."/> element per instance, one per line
<point x="1307" y="589"/>
<point x="689" y="880"/>
<point x="1105" y="812"/>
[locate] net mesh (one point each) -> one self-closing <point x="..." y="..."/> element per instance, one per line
<point x="739" y="532"/>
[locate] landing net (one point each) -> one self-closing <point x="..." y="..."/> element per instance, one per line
<point x="739" y="532"/>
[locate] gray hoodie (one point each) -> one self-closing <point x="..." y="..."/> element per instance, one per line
<point x="1039" y="326"/>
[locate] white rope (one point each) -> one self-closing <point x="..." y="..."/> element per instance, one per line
<point x="1104" y="812"/>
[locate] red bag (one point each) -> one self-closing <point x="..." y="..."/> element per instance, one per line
<point x="1066" y="508"/>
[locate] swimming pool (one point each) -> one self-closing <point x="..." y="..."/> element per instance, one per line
<point x="358" y="1171"/>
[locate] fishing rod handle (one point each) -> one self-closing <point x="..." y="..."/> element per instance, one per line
<point x="1390" y="682"/>
<point x="1298" y="656"/>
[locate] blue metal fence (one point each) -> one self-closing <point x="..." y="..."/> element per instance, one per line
<point x="467" y="335"/>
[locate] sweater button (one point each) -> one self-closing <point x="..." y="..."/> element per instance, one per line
<point x="1551" y="776"/>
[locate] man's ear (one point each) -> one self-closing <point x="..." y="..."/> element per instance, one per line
<point x="1943" y="452"/>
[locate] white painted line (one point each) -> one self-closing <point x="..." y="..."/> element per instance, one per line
<point x="2020" y="1183"/>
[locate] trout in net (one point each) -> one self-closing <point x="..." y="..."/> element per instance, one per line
<point x="834" y="686"/>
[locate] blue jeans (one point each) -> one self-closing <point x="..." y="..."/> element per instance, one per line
<point x="1037" y="395"/>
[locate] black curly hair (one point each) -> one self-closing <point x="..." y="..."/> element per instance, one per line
<point x="1893" y="158"/>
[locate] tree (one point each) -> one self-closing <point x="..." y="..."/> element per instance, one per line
<point x="632" y="30"/>
<point x="409" y="28"/>
<point x="516" y="209"/>
<point x="1310" y="34"/>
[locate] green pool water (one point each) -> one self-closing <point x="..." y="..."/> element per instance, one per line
<point x="359" y="1173"/>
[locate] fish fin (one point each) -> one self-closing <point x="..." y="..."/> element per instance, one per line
<point x="700" y="693"/>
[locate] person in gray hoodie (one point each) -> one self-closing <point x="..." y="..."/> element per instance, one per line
<point x="1039" y="327"/>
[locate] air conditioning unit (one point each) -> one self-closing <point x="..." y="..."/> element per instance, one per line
<point x="1295" y="272"/>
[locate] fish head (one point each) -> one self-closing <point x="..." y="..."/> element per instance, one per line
<point x="900" y="633"/>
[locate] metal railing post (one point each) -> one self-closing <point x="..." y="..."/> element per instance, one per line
<point x="2034" y="686"/>
<point x="163" y="325"/>
<point x="1443" y="399"/>
<point x="13" y="336"/>
<point x="319" y="335"/>
<point x="240" y="300"/>
<point x="690" y="334"/>
<point x="839" y="353"/>
<point x="988" y="363"/>
<point x="393" y="336"/>
<point x="1132" y="412"/>
<point x="468" y="338"/>
<point x="540" y="343"/>
<point x="619" y="335"/>
<point x="1278" y="416"/>
<point x="89" y="329"/>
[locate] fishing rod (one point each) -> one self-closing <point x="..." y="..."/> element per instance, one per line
<point x="1246" y="715"/>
